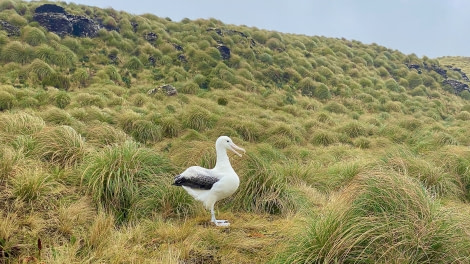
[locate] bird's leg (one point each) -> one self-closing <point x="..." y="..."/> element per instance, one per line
<point x="213" y="220"/>
<point x="218" y="222"/>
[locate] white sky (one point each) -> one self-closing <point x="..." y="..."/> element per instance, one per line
<point x="430" y="28"/>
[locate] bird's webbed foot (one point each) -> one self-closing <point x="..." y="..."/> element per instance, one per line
<point x="223" y="223"/>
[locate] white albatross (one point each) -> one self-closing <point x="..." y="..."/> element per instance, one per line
<point x="212" y="185"/>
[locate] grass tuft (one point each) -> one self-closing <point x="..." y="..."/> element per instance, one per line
<point x="61" y="145"/>
<point x="114" y="175"/>
<point x="20" y="123"/>
<point x="145" y="131"/>
<point x="382" y="218"/>
<point x="353" y="129"/>
<point x="198" y="119"/>
<point x="105" y="135"/>
<point x="262" y="188"/>
<point x="323" y="138"/>
<point x="32" y="183"/>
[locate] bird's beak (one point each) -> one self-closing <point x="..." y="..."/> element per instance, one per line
<point x="234" y="148"/>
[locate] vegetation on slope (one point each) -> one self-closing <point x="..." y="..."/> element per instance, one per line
<point x="345" y="140"/>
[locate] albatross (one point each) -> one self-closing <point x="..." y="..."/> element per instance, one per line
<point x="211" y="185"/>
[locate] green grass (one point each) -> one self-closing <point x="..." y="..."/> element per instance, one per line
<point x="262" y="188"/>
<point x="376" y="220"/>
<point x="31" y="184"/>
<point x="113" y="176"/>
<point x="61" y="145"/>
<point x="21" y="123"/>
<point x="198" y="118"/>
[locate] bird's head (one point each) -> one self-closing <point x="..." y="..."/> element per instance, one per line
<point x="227" y="144"/>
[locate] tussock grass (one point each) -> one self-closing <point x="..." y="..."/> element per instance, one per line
<point x="262" y="188"/>
<point x="75" y="217"/>
<point x="324" y="138"/>
<point x="393" y="132"/>
<point x="7" y="100"/>
<point x="9" y="224"/>
<point x="384" y="218"/>
<point x="162" y="197"/>
<point x="86" y="99"/>
<point x="103" y="134"/>
<point x="195" y="153"/>
<point x="362" y="142"/>
<point x="30" y="184"/>
<point x="145" y="131"/>
<point x="114" y="175"/>
<point x="171" y="127"/>
<point x="290" y="133"/>
<point x="248" y="130"/>
<point x="41" y="69"/>
<point x="339" y="175"/>
<point x="435" y="179"/>
<point x="57" y="116"/>
<point x="198" y="118"/>
<point x="60" y="145"/>
<point x="99" y="234"/>
<point x="21" y="123"/>
<point x="354" y="129"/>
<point x="8" y="160"/>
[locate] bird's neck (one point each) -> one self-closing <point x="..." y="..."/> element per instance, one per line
<point x="222" y="159"/>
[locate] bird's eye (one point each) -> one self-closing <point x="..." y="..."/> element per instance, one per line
<point x="228" y="141"/>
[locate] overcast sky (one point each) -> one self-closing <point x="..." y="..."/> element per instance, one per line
<point x="431" y="28"/>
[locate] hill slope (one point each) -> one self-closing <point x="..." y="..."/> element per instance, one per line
<point x="363" y="146"/>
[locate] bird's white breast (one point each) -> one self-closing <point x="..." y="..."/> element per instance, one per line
<point x="226" y="186"/>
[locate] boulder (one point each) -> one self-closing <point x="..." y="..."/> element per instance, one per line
<point x="436" y="68"/>
<point x="11" y="30"/>
<point x="465" y="77"/>
<point x="224" y="51"/>
<point x="177" y="47"/>
<point x="50" y="8"/>
<point x="55" y="19"/>
<point x="152" y="60"/>
<point x="151" y="37"/>
<point x="167" y="88"/>
<point x="182" y="58"/>
<point x="456" y="85"/>
<point x="414" y="66"/>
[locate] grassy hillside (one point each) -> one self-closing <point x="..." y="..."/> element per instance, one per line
<point x="462" y="63"/>
<point x="353" y="154"/>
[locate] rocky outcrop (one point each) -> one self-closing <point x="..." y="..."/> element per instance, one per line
<point x="433" y="67"/>
<point x="456" y="85"/>
<point x="152" y="61"/>
<point x="55" y="19"/>
<point x="50" y="8"/>
<point x="439" y="70"/>
<point x="222" y="32"/>
<point x="177" y="47"/>
<point x="11" y="30"/>
<point x="167" y="88"/>
<point x="151" y="37"/>
<point x="464" y="76"/>
<point x="182" y="58"/>
<point x="224" y="51"/>
<point x="414" y="66"/>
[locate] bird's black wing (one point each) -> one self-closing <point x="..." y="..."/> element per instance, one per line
<point x="203" y="182"/>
